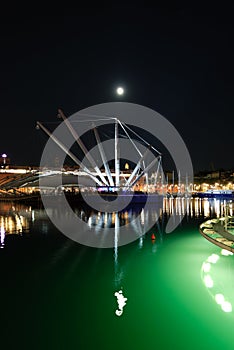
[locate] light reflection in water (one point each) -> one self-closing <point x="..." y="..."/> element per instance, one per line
<point x="18" y="218"/>
<point x="206" y="208"/>
<point x="13" y="220"/>
<point x="217" y="277"/>
<point x="2" y="236"/>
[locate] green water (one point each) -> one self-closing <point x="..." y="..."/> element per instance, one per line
<point x="57" y="294"/>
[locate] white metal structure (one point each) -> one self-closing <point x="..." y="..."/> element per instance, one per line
<point x="108" y="178"/>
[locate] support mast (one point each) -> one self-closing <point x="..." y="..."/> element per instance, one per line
<point x="103" y="156"/>
<point x="69" y="153"/>
<point x="117" y="167"/>
<point x="83" y="147"/>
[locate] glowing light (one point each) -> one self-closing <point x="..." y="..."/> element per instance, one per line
<point x="213" y="258"/>
<point x="215" y="221"/>
<point x="15" y="171"/>
<point x="120" y="91"/>
<point x="90" y="222"/>
<point x="206" y="267"/>
<point x="226" y="252"/>
<point x="121" y="302"/>
<point x="226" y="306"/>
<point x="118" y="312"/>
<point x="219" y="298"/>
<point x="126" y="167"/>
<point x="33" y="216"/>
<point x="2" y="236"/>
<point x="208" y="281"/>
<point x="140" y="242"/>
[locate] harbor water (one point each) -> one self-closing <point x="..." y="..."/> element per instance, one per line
<point x="58" y="294"/>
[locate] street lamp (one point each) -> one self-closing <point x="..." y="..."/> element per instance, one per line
<point x="4" y="156"/>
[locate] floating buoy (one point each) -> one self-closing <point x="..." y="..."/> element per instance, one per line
<point x="153" y="237"/>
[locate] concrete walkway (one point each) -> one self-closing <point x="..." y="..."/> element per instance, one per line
<point x="219" y="228"/>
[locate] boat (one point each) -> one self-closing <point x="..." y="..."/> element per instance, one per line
<point x="127" y="197"/>
<point x="224" y="194"/>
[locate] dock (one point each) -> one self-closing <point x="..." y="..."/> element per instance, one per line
<point x="220" y="232"/>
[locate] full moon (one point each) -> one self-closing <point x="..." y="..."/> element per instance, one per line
<point x="120" y="90"/>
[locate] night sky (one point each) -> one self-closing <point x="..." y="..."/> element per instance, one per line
<point x="176" y="60"/>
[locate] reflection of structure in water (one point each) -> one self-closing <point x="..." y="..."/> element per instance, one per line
<point x="14" y="220"/>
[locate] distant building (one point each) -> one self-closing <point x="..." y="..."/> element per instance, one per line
<point x="213" y="175"/>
